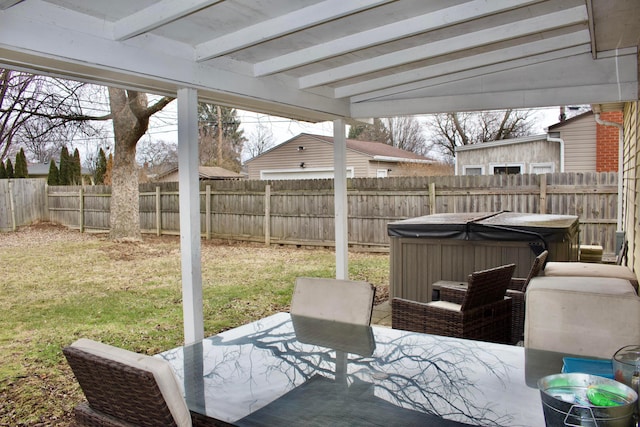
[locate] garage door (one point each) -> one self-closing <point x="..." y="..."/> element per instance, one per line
<point x="311" y="173"/>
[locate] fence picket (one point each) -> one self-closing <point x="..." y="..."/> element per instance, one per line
<point x="301" y="212"/>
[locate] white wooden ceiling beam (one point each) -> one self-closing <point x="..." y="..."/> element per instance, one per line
<point x="565" y="71"/>
<point x="422" y="85"/>
<point x="158" y="68"/>
<point x="282" y="25"/>
<point x="6" y="4"/>
<point x="387" y="33"/>
<point x="530" y="98"/>
<point x="156" y="16"/>
<point x="538" y="24"/>
<point x="374" y="87"/>
<point x="575" y="79"/>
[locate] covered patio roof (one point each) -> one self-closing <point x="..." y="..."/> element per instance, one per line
<point x="318" y="60"/>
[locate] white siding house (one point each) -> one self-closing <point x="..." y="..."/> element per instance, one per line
<point x="578" y="135"/>
<point x="568" y="146"/>
<point x="308" y="156"/>
<point x="532" y="154"/>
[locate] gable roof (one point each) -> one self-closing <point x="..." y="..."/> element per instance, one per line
<point x="376" y="150"/>
<point x="501" y="142"/>
<point x="207" y="172"/>
<point x="43" y="168"/>
<point x="570" y="120"/>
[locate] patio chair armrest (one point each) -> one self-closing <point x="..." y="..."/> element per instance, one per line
<point x="454" y="294"/>
<point x="517" y="315"/>
<point x="409" y="315"/>
<point x="517" y="283"/>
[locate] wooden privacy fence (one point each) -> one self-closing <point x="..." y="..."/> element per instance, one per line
<point x="301" y="212"/>
<point x="22" y="201"/>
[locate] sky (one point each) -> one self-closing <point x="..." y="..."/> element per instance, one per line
<point x="163" y="126"/>
<point x="284" y="129"/>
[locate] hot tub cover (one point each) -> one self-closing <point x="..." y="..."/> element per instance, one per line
<point x="504" y="226"/>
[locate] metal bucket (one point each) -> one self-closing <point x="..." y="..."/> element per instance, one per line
<point x="560" y="410"/>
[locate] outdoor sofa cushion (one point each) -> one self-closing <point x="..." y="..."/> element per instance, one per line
<point x="591" y="270"/>
<point x="590" y="316"/>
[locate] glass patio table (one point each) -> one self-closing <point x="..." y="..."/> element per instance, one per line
<point x="284" y="370"/>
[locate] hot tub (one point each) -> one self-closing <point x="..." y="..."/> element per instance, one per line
<point x="451" y="246"/>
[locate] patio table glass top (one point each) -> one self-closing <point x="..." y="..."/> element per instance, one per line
<point x="299" y="371"/>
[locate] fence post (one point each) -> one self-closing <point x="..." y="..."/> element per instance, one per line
<point x="432" y="198"/>
<point x="81" y="208"/>
<point x="267" y="215"/>
<point x="46" y="202"/>
<point x="158" y="212"/>
<point x="543" y="193"/>
<point x="12" y="206"/>
<point x="207" y="209"/>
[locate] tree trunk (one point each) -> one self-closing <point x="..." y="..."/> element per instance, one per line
<point x="128" y="126"/>
<point x="130" y="113"/>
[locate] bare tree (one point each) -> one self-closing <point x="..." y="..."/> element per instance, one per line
<point x="42" y="114"/>
<point x="451" y="130"/>
<point x="130" y="112"/>
<point x="260" y="140"/>
<point x="159" y="155"/>
<point x="35" y="108"/>
<point x="407" y="134"/>
<point x="404" y="132"/>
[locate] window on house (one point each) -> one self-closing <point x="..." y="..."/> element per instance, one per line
<point x="473" y="170"/>
<point x="507" y="170"/>
<point x="382" y="173"/>
<point x="539" y="168"/>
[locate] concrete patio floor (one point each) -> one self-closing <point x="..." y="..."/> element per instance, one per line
<point x="381" y="315"/>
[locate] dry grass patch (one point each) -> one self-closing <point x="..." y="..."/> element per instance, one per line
<point x="58" y="285"/>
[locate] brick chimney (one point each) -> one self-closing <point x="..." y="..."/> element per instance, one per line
<point x="607" y="142"/>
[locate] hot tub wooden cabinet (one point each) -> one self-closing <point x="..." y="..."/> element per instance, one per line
<point x="451" y="246"/>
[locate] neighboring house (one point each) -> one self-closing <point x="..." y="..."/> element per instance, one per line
<point x="578" y="144"/>
<point x="41" y="170"/>
<point x="589" y="146"/>
<point x="308" y="156"/>
<point x="205" y="173"/>
<point x="531" y="154"/>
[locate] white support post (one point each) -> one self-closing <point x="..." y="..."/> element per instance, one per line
<point x="190" y="215"/>
<point x="340" y="199"/>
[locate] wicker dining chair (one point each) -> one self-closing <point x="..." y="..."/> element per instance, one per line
<point x="124" y="388"/>
<point x="347" y="301"/>
<point x="484" y="313"/>
<point x="516" y="291"/>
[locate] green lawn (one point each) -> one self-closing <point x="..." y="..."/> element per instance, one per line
<point x="58" y="285"/>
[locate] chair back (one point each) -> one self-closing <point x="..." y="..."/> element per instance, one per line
<point x="621" y="257"/>
<point x="536" y="268"/>
<point x="133" y="388"/>
<point x="487" y="286"/>
<point x="345" y="301"/>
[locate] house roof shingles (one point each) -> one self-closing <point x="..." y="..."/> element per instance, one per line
<point x="208" y="172"/>
<point x="370" y="148"/>
<point x="374" y="148"/>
